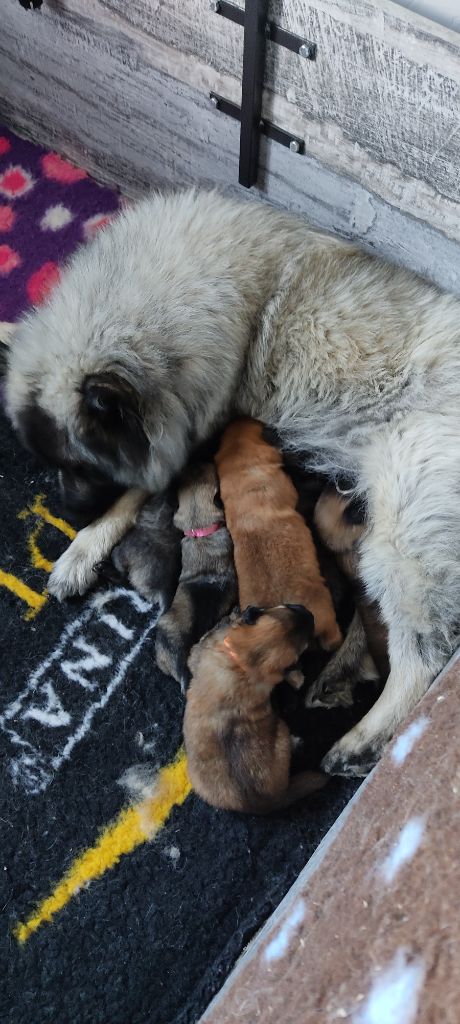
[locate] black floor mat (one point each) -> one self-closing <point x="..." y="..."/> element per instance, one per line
<point x="141" y="936"/>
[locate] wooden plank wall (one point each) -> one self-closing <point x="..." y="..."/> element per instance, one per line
<point x="124" y="88"/>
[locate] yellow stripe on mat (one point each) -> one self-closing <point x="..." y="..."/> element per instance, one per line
<point x="39" y="509"/>
<point x="31" y="597"/>
<point x="134" y="826"/>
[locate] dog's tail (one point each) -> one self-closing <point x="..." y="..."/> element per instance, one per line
<point x="301" y="784"/>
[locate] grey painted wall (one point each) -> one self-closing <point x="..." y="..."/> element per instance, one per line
<point x="124" y="89"/>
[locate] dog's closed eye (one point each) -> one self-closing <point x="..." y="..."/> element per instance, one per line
<point x="106" y="395"/>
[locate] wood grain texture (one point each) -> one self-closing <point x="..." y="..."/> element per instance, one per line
<point x="136" y="113"/>
<point x="381" y="102"/>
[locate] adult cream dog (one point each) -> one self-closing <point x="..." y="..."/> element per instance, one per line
<point x="191" y="308"/>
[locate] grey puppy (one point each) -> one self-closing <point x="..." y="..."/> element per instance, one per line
<point x="207" y="589"/>
<point x="190" y="308"/>
<point x="149" y="554"/>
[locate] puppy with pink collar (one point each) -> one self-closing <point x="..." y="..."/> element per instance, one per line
<point x="207" y="591"/>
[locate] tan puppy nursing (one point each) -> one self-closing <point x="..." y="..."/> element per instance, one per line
<point x="341" y="525"/>
<point x="238" y="749"/>
<point x="274" y="552"/>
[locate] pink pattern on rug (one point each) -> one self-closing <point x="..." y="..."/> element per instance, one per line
<point x="9" y="260"/>
<point x="7" y="218"/>
<point x="15" y="182"/>
<point x="48" y="208"/>
<point x="42" y="281"/>
<point x="58" y="169"/>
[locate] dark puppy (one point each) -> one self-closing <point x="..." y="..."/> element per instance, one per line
<point x="238" y="749"/>
<point x="149" y="555"/>
<point x="207" y="589"/>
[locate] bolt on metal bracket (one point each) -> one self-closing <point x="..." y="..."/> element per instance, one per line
<point x="257" y="30"/>
<point x="271" y="131"/>
<point x="298" y="44"/>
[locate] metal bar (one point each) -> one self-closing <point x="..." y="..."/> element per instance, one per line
<point x="255" y="20"/>
<point x="304" y="47"/>
<point x="227" y="10"/>
<point x="225" y="106"/>
<point x="274" y="33"/>
<point x="292" y="142"/>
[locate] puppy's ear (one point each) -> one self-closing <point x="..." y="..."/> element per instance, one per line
<point x="193" y="659"/>
<point x="109" y="397"/>
<point x="251" y="614"/>
<point x="303" y="615"/>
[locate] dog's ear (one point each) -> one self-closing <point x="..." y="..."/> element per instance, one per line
<point x="113" y="415"/>
<point x="251" y="614"/>
<point x="108" y="396"/>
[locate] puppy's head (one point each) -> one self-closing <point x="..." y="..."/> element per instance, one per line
<point x="340" y="520"/>
<point x="126" y="367"/>
<point x="266" y="642"/>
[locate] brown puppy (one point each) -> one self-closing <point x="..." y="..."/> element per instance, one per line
<point x="207" y="589"/>
<point x="238" y="750"/>
<point x="274" y="552"/>
<point x="341" y="523"/>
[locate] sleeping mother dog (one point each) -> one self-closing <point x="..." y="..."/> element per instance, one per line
<point x="192" y="308"/>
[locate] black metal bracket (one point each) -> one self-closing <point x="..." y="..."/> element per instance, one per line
<point x="304" y="47"/>
<point x="255" y="20"/>
<point x="257" y="29"/>
<point x="288" y="139"/>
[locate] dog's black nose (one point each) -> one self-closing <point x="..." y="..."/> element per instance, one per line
<point x="302" y="613"/>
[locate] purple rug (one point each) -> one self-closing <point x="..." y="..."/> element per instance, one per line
<point x="47" y="208"/>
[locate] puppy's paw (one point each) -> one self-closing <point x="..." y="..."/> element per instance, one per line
<point x="295" y="678"/>
<point x="353" y="756"/>
<point x="74" y="572"/>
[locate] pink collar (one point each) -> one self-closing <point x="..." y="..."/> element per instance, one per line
<point x="203" y="531"/>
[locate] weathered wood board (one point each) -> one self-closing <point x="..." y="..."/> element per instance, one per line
<point x="77" y="75"/>
<point x="381" y="102"/>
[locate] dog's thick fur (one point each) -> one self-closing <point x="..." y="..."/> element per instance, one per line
<point x="341" y="525"/>
<point x="274" y="552"/>
<point x="238" y="749"/>
<point x="190" y="308"/>
<point x="207" y="589"/>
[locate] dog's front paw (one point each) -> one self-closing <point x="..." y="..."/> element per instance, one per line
<point x="74" y="572"/>
<point x="353" y="756"/>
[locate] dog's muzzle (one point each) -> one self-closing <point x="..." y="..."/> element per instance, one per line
<point x="86" y="496"/>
